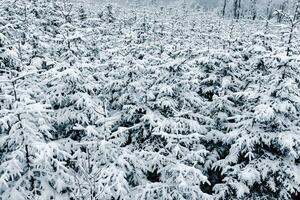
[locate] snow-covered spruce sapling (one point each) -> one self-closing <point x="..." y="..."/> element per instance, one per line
<point x="31" y="167"/>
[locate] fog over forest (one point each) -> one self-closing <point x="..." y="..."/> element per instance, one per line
<point x="206" y="3"/>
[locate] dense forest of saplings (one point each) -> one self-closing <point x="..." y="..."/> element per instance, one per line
<point x="158" y="102"/>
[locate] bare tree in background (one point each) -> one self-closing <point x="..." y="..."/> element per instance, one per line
<point x="269" y="9"/>
<point x="224" y="8"/>
<point x="253" y="9"/>
<point x="293" y="21"/>
<point x="237" y="9"/>
<point x="283" y="8"/>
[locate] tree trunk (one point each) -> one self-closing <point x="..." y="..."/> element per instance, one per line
<point x="237" y="9"/>
<point x="224" y="8"/>
<point x="293" y="25"/>
<point x="253" y="9"/>
<point x="282" y="7"/>
<point x="269" y="10"/>
<point x="28" y="166"/>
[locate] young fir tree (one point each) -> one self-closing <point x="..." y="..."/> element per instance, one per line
<point x="263" y="144"/>
<point x="31" y="166"/>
